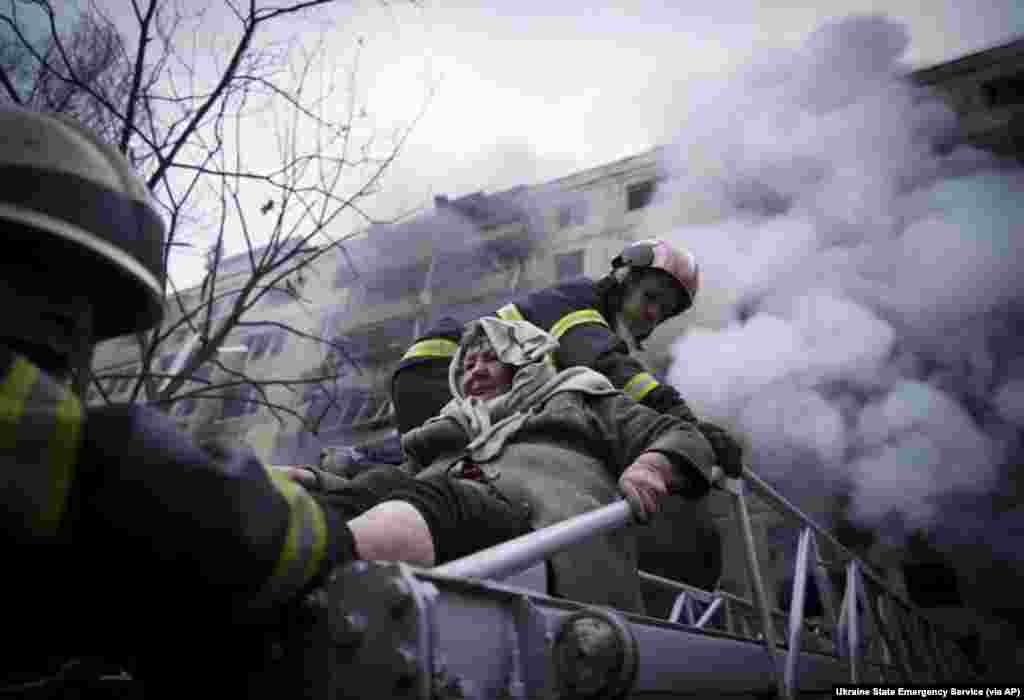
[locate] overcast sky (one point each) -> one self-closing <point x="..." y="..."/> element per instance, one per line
<point x="533" y="89"/>
<point x="528" y="91"/>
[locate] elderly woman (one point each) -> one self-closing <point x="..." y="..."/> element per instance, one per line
<point x="522" y="446"/>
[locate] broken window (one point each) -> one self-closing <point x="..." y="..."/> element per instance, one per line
<point x="639" y="195"/>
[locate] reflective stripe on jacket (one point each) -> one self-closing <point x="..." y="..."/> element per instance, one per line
<point x="123" y="482"/>
<point x="40" y="428"/>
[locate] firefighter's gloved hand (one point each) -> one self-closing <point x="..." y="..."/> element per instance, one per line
<point x="644" y="482"/>
<point x="728" y="451"/>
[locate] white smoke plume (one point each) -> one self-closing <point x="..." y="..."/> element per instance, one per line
<point x="871" y="344"/>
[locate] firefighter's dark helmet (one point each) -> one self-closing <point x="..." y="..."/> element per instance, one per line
<point x="72" y="199"/>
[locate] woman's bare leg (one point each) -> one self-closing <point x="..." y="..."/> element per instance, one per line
<point x="393" y="531"/>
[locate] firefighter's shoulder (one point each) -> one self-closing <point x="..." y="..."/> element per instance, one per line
<point x="546" y="307"/>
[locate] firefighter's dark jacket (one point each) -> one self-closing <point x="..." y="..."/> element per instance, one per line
<point x="577" y="313"/>
<point x="124" y="483"/>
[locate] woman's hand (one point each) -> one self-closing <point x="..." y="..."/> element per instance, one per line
<point x="644" y="482"/>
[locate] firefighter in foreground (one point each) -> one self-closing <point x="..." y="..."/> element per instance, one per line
<point x="120" y="535"/>
<point x="522" y="446"/>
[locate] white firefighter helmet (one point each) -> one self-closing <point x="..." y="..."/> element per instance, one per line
<point x="75" y="202"/>
<point x="655" y="253"/>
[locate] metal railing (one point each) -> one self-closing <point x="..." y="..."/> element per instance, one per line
<point x="876" y="625"/>
<point x="879" y="633"/>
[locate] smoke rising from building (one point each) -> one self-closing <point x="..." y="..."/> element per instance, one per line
<point x="871" y="345"/>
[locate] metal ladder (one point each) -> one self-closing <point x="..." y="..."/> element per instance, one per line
<point x="462" y="631"/>
<point x="880" y="634"/>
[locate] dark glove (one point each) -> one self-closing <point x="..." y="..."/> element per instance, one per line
<point x="728" y="451"/>
<point x="664" y="399"/>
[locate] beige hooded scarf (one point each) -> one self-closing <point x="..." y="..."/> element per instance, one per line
<point x="492" y="422"/>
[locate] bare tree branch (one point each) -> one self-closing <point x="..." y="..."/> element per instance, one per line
<point x="181" y="116"/>
<point x="12" y="93"/>
<point x="140" y="65"/>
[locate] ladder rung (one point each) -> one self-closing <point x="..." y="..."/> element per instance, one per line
<point x="711" y="610"/>
<point x="878" y="633"/>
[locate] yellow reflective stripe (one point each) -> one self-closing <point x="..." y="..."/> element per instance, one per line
<point x="640" y="385"/>
<point x="304" y="544"/>
<point x="40" y="424"/>
<point x="14" y="391"/>
<point x="61" y="457"/>
<point x="574" y="319"/>
<point x="437" y="347"/>
<point x="510" y="312"/>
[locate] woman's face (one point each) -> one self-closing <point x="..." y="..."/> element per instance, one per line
<point x="484" y="376"/>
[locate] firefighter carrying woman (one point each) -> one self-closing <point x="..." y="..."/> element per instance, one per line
<point x="598" y="325"/>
